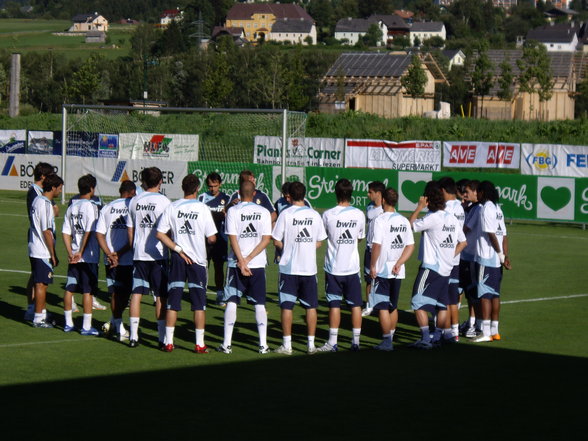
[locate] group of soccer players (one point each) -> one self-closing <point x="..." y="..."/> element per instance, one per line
<point x="154" y="246"/>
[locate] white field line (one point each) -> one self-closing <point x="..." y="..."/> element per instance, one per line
<point x="541" y="299"/>
<point x="515" y="233"/>
<point x="31" y="343"/>
<point x="28" y="272"/>
<point x="14" y="215"/>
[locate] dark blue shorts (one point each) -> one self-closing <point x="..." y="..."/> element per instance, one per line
<point x="384" y="294"/>
<point x="150" y="275"/>
<point x="301" y="288"/>
<point x="488" y="281"/>
<point x="82" y="278"/>
<point x="197" y="277"/>
<point x="119" y="279"/>
<point x="367" y="261"/>
<point x="218" y="250"/>
<point x="453" y="289"/>
<point x="429" y="291"/>
<point x="252" y="287"/>
<point x="467" y="279"/>
<point x="347" y="287"/>
<point x="41" y="270"/>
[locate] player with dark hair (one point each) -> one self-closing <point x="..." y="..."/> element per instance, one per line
<point x="111" y="232"/>
<point x="373" y="210"/>
<point x="259" y="197"/>
<point x="41" y="246"/>
<point x="441" y="241"/>
<point x="217" y="201"/>
<point x="392" y="246"/>
<point x="184" y="227"/>
<point x="149" y="256"/>
<point x="345" y="227"/>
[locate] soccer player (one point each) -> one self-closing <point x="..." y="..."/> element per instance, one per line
<point x="217" y="201"/>
<point x="345" y="227"/>
<point x="83" y="253"/>
<point x="299" y="231"/>
<point x="42" y="169"/>
<point x="502" y="237"/>
<point x="190" y="225"/>
<point x="392" y="246"/>
<point x="111" y="232"/>
<point x="280" y="205"/>
<point x="41" y="246"/>
<point x="373" y="210"/>
<point x="149" y="257"/>
<point x="441" y="241"/>
<point x="249" y="228"/>
<point x="259" y="197"/>
<point x="452" y="206"/>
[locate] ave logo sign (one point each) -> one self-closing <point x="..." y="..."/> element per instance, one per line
<point x="481" y="154"/>
<point x="462" y="154"/>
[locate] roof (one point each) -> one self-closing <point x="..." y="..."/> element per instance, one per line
<point x="560" y="12"/>
<point x="353" y="24"/>
<point x="244" y="11"/>
<point x="232" y="31"/>
<point x="171" y="13"/>
<point x="287" y="25"/>
<point x="554" y="33"/>
<point x="450" y="53"/>
<point x="403" y="13"/>
<point x="370" y="64"/>
<point x="391" y="21"/>
<point x="427" y="26"/>
<point x="85" y="18"/>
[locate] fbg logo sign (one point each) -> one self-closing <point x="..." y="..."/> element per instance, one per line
<point x="462" y="154"/>
<point x="542" y="160"/>
<point x="500" y="154"/>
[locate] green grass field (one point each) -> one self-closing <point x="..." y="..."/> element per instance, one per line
<point x="530" y="385"/>
<point x="29" y="35"/>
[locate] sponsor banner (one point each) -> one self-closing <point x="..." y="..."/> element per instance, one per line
<point x="111" y="172"/>
<point x="481" y="154"/>
<point x="581" y="214"/>
<point x="40" y="143"/>
<point x="411" y="186"/>
<point x="301" y="152"/>
<point x="554" y="160"/>
<point x="158" y="146"/>
<point x="107" y="145"/>
<point x="13" y="141"/>
<point x="292" y="174"/>
<point x="401" y="156"/>
<point x="229" y="172"/>
<point x="17" y="171"/>
<point x="320" y="184"/>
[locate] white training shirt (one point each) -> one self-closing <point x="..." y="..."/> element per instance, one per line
<point x="249" y="222"/>
<point x="393" y="233"/>
<point x="454" y="207"/>
<point x="441" y="234"/>
<point x="345" y="226"/>
<point x="112" y="222"/>
<point x="372" y="212"/>
<point x="42" y="219"/>
<point x="190" y="222"/>
<point x="144" y="211"/>
<point x="489" y="222"/>
<point x="81" y="217"/>
<point x="501" y="231"/>
<point x="299" y="228"/>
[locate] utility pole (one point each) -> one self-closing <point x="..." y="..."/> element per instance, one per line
<point x="14" y="105"/>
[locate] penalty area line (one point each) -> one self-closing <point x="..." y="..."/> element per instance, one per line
<point x="32" y="343"/>
<point x="541" y="299"/>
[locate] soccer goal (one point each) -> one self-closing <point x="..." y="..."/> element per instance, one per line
<point x="115" y="142"/>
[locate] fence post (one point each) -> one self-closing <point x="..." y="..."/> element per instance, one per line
<point x="284" y="144"/>
<point x="63" y="149"/>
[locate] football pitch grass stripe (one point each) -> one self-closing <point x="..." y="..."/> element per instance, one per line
<point x="32" y="343"/>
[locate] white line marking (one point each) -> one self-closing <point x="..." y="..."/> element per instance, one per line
<point x="15" y="215"/>
<point x="28" y="272"/>
<point x="544" y="235"/>
<point x="540" y="299"/>
<point x="31" y="343"/>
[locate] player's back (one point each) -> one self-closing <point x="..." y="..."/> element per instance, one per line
<point x="112" y="222"/>
<point x="392" y="231"/>
<point x="490" y="216"/>
<point x="80" y="218"/>
<point x="249" y="222"/>
<point x="345" y="226"/>
<point x="144" y="212"/>
<point x="441" y="234"/>
<point x="42" y="219"/>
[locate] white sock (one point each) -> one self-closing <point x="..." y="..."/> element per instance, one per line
<point x="486" y="328"/>
<point x="230" y="319"/>
<point x="38" y="317"/>
<point x="87" y="323"/>
<point x="169" y="335"/>
<point x="68" y="318"/>
<point x="134" y="325"/>
<point x="44" y="314"/>
<point x="356" y="335"/>
<point x="161" y="330"/>
<point x="392" y="331"/>
<point x="311" y="341"/>
<point x="333" y="333"/>
<point x="261" y="319"/>
<point x="472" y="321"/>
<point x="200" y="337"/>
<point x="455" y="330"/>
<point x="287" y="341"/>
<point x="494" y="327"/>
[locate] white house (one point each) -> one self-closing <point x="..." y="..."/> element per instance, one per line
<point x="295" y="31"/>
<point x="89" y="22"/>
<point x="352" y="29"/>
<point x="423" y="30"/>
<point x="170" y="15"/>
<point x="456" y="57"/>
<point x="557" y="37"/>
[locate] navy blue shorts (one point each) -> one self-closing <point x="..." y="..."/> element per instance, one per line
<point x="150" y="275"/>
<point x="429" y="291"/>
<point x="488" y="281"/>
<point x="347" y="287"/>
<point x="384" y="294"/>
<point x="41" y="270"/>
<point x="82" y="278"/>
<point x="252" y="287"/>
<point x="218" y="250"/>
<point x="467" y="280"/>
<point x="197" y="277"/>
<point x="119" y="279"/>
<point x="301" y="288"/>
<point x="367" y="262"/>
<point x="453" y="289"/>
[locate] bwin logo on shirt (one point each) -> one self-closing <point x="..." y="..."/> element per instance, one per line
<point x="303" y="236"/>
<point x="250" y="231"/>
<point x="146" y="222"/>
<point x="447" y="243"/>
<point x="186" y="229"/>
<point x="400" y="229"/>
<point x="346" y="238"/>
<point x="119" y="224"/>
<point x="397" y="242"/>
<point x="307" y="221"/>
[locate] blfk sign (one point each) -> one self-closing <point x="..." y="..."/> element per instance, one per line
<point x="481" y="154"/>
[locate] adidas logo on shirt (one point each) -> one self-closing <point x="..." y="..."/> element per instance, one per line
<point x="346" y="238"/>
<point x="119" y="224"/>
<point x="250" y="231"/>
<point x="186" y="229"/>
<point x="447" y="243"/>
<point x="304" y="236"/>
<point x="397" y="243"/>
<point x="146" y="222"/>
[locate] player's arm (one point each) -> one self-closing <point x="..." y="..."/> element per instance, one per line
<point x="406" y="253"/>
<point x="131" y="236"/>
<point x="420" y="207"/>
<point x="376" y="249"/>
<point x="505" y="250"/>
<point x="459" y="247"/>
<point x="265" y="240"/>
<point x="56" y="210"/>
<point x="274" y="216"/>
<point x="494" y="242"/>
<point x="50" y="243"/>
<point x="241" y="261"/>
<point x="211" y="239"/>
<point x="168" y="242"/>
<point x="85" y="239"/>
<point x="68" y="248"/>
<point x="110" y="254"/>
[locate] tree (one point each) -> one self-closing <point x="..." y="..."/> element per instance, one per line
<point x="373" y="36"/>
<point x="505" y="81"/>
<point x="535" y="73"/>
<point x="482" y="76"/>
<point x="217" y="85"/>
<point x="86" y="83"/>
<point x="3" y="82"/>
<point x="415" y="80"/>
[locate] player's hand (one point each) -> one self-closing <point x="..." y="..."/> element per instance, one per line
<point x="373" y="273"/>
<point x="506" y="263"/>
<point x="422" y="202"/>
<point x="186" y="258"/>
<point x="245" y="270"/>
<point x="396" y="269"/>
<point x="54" y="261"/>
<point x="113" y="259"/>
